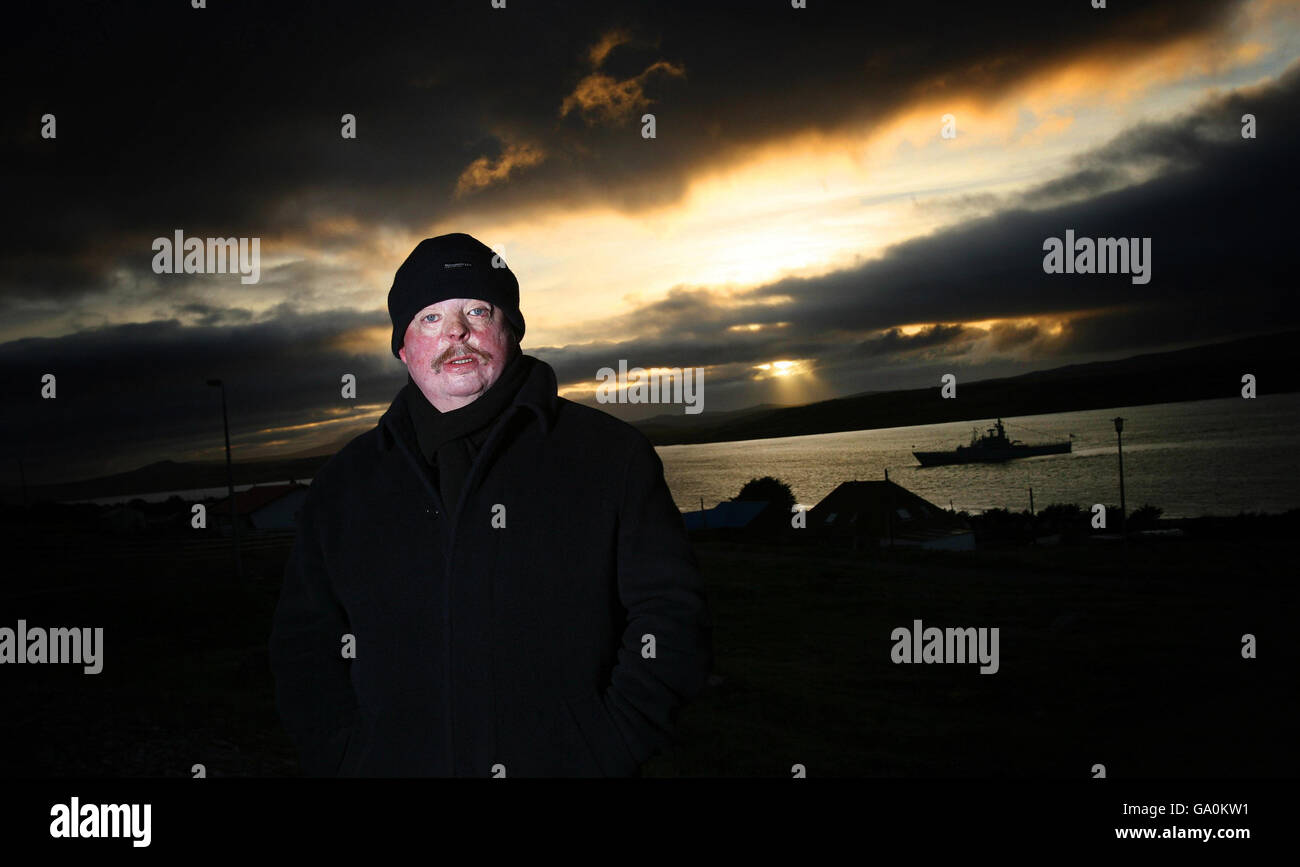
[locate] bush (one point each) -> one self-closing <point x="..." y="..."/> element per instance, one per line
<point x="770" y="490"/>
<point x="1067" y="519"/>
<point x="1145" y="518"/>
<point x="997" y="527"/>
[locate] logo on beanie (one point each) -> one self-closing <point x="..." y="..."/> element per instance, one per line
<point x="457" y="265"/>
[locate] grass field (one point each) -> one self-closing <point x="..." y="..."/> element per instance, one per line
<point x="1125" y="656"/>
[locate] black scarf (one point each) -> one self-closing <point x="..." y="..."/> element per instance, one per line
<point x="450" y="440"/>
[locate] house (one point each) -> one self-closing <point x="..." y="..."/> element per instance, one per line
<point x="729" y="514"/>
<point x="262" y="507"/>
<point x="886" y="513"/>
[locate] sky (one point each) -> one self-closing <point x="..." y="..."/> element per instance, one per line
<point x="836" y="199"/>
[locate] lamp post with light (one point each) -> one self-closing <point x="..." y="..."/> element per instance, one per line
<point x="230" y="481"/>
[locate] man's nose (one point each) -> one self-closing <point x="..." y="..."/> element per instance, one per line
<point x="456" y="326"/>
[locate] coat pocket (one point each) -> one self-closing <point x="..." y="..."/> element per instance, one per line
<point x="603" y="740"/>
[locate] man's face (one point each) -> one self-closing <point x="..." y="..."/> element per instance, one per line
<point x="465" y="329"/>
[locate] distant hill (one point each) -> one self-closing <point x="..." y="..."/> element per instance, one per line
<point x="175" y="476"/>
<point x="677" y="421"/>
<point x="1198" y="373"/>
<point x="325" y="450"/>
<point x="1189" y="374"/>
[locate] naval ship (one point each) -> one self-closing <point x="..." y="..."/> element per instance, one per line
<point x="992" y="447"/>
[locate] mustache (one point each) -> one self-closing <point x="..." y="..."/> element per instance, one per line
<point x="458" y="353"/>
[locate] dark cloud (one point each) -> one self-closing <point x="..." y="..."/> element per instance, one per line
<point x="127" y="391"/>
<point x="208" y="315"/>
<point x="893" y="342"/>
<point x="1005" y="336"/>
<point x="1221" y="241"/>
<point x="224" y="121"/>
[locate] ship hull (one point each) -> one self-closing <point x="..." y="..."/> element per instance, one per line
<point x="968" y="455"/>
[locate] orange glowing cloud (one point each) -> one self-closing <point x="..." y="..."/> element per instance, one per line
<point x="607" y="43"/>
<point x="484" y="172"/>
<point x="599" y="97"/>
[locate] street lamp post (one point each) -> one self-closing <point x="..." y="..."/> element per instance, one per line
<point x="230" y="481"/>
<point x="889" y="509"/>
<point x="1123" y="510"/>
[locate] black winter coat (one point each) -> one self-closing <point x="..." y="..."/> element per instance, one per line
<point x="503" y="635"/>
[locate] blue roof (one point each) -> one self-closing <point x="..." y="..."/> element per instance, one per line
<point x="728" y="513"/>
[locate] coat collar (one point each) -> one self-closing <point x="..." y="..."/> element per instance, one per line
<point x="539" y="393"/>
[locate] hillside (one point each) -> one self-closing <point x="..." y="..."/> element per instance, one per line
<point x="1198" y="373"/>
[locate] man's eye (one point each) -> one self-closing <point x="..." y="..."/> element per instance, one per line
<point x="428" y="317"/>
<point x="476" y="309"/>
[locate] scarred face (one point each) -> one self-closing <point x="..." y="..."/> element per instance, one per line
<point x="455" y="350"/>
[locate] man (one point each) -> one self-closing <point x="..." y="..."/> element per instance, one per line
<point x="494" y="581"/>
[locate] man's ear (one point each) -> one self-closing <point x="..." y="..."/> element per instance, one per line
<point x="401" y="353"/>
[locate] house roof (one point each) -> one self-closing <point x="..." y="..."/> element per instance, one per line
<point x="728" y="513"/>
<point x="879" y="508"/>
<point x="247" y="502"/>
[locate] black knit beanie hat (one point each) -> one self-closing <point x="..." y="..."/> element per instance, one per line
<point x="451" y="266"/>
